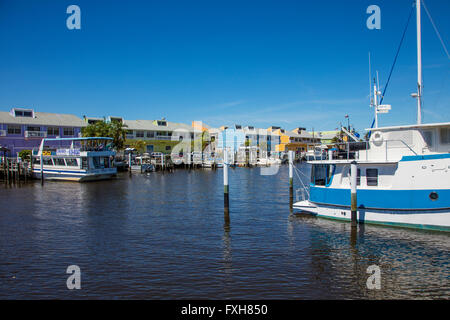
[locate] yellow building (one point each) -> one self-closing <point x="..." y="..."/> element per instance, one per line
<point x="297" y="140"/>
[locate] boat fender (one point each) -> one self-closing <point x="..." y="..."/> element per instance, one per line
<point x="377" y="138"/>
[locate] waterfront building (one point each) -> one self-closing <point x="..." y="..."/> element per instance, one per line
<point x="160" y="135"/>
<point x="24" y="128"/>
<point x="238" y="138"/>
<point x="296" y="140"/>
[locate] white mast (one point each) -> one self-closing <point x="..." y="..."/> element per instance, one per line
<point x="419" y="66"/>
<point x="375" y="103"/>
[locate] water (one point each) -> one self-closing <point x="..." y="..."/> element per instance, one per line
<point x="163" y="236"/>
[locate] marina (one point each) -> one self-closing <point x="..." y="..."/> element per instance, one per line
<point x="225" y="151"/>
<point x="133" y="241"/>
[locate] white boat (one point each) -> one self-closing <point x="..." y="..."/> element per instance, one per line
<point x="315" y="153"/>
<point x="86" y="159"/>
<point x="403" y="175"/>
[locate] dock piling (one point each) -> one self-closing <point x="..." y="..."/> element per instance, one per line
<point x="354" y="202"/>
<point x="225" y="180"/>
<point x="291" y="177"/>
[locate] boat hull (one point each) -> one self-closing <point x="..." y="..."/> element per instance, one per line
<point x="74" y="176"/>
<point x="429" y="219"/>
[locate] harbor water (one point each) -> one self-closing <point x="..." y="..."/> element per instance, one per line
<point x="164" y="236"/>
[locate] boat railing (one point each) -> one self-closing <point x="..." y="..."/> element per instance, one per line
<point x="386" y="150"/>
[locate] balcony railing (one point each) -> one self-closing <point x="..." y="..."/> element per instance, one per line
<point x="35" y="134"/>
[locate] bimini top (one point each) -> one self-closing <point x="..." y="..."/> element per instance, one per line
<point x="78" y="139"/>
<point x="413" y="126"/>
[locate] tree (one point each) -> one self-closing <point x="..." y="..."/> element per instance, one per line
<point x="113" y="130"/>
<point x="25" y="155"/>
<point x="118" y="133"/>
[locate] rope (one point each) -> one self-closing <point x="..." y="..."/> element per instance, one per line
<point x="300" y="179"/>
<point x="436" y="30"/>
<point x="393" y="65"/>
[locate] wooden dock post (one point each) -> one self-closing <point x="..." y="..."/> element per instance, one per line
<point x="8" y="175"/>
<point x="291" y="177"/>
<point x="226" y="200"/>
<point x="129" y="163"/>
<point x="354" y="201"/>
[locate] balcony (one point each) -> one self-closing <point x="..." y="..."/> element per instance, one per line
<point x="35" y="134"/>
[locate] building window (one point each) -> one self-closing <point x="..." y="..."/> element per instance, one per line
<point x="150" y="134"/>
<point x="139" y="134"/>
<point x="445" y="135"/>
<point x="161" y="123"/>
<point x="52" y="131"/>
<point x="13" y="129"/>
<point x="30" y="128"/>
<point x="372" y="177"/>
<point x="23" y="113"/>
<point x="168" y="148"/>
<point x="68" y="132"/>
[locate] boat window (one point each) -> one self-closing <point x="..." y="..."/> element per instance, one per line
<point x="428" y="137"/>
<point x="36" y="160"/>
<point x="59" y="161"/>
<point x="372" y="177"/>
<point x="84" y="163"/>
<point x="106" y="162"/>
<point x="321" y="174"/>
<point x="48" y="161"/>
<point x="72" y="162"/>
<point x="445" y="135"/>
<point x="358" y="177"/>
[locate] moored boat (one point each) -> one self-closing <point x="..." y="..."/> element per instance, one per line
<point x="85" y="159"/>
<point x="402" y="177"/>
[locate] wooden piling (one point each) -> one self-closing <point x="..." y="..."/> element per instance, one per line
<point x="354" y="201"/>
<point x="42" y="169"/>
<point x="225" y="180"/>
<point x="129" y="163"/>
<point x="291" y="177"/>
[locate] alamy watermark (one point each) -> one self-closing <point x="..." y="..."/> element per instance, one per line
<point x="374" y="280"/>
<point x="74" y="280"/>
<point x="374" y="21"/>
<point x="74" y="20"/>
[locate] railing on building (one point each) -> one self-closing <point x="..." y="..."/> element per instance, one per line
<point x="35" y="134"/>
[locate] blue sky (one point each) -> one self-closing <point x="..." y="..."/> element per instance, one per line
<point x="261" y="63"/>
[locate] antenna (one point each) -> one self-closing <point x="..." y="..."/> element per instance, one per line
<point x="370" y="83"/>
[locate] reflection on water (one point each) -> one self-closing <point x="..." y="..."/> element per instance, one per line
<point x="167" y="236"/>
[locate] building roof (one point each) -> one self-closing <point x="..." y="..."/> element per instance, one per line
<point x="43" y="118"/>
<point x="150" y="125"/>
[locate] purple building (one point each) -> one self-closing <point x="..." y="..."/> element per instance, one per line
<point x="23" y="129"/>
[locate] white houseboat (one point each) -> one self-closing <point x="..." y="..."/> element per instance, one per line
<point x="86" y="159"/>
